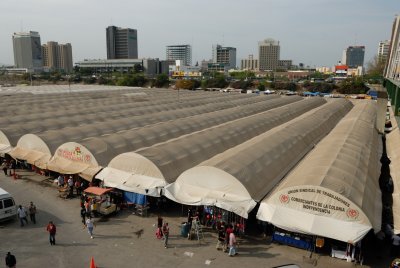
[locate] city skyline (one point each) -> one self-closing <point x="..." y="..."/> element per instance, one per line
<point x="309" y="31"/>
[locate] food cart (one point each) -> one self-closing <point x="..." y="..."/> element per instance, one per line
<point x="100" y="200"/>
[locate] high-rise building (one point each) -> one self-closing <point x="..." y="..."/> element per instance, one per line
<point x="268" y="54"/>
<point x="249" y="64"/>
<point x="121" y="43"/>
<point x="224" y="55"/>
<point x="353" y="56"/>
<point x="383" y="50"/>
<point x="180" y="52"/>
<point x="392" y="69"/>
<point x="57" y="56"/>
<point x="27" y="50"/>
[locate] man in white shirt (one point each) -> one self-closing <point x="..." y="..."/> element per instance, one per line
<point x="22" y="215"/>
<point x="90" y="226"/>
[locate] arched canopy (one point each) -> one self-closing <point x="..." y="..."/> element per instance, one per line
<point x="73" y="158"/>
<point x="334" y="190"/>
<point x="107" y="147"/>
<point x="257" y="165"/>
<point x="104" y="108"/>
<point x="115" y="146"/>
<point x="177" y="155"/>
<point x="207" y="185"/>
<point x="5" y="145"/>
<point x="32" y="149"/>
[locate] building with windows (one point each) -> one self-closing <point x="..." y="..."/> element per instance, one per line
<point x="122" y="43"/>
<point x="180" y="52"/>
<point x="27" y="51"/>
<point x="224" y="55"/>
<point x="383" y="50"/>
<point x="268" y="54"/>
<point x="249" y="64"/>
<point x="151" y="67"/>
<point x="392" y="69"/>
<point x="353" y="56"/>
<point x="57" y="56"/>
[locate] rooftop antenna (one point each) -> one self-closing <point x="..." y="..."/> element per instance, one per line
<point x="22" y="26"/>
<point x="111" y="22"/>
<point x="223" y="39"/>
<point x="355" y="39"/>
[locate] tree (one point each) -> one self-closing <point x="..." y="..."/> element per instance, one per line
<point x="375" y="68"/>
<point x="161" y="80"/>
<point x="184" y="84"/>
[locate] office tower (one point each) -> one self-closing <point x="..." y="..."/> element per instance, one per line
<point x="353" y="56"/>
<point x="268" y="54"/>
<point x="250" y="64"/>
<point x="383" y="50"/>
<point x="180" y="52"/>
<point x="121" y="43"/>
<point x="224" y="55"/>
<point x="57" y="56"/>
<point x="27" y="50"/>
<point x="392" y="69"/>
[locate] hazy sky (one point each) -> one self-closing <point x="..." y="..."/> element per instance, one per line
<point x="313" y="32"/>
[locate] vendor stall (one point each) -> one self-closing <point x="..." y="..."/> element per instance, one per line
<point x="100" y="200"/>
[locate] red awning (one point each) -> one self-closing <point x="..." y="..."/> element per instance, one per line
<point x="97" y="190"/>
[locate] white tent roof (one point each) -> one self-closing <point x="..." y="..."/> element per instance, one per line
<point x="335" y="187"/>
<point x="54" y="138"/>
<point x="73" y="158"/>
<point x="32" y="149"/>
<point x="238" y="177"/>
<point x="177" y="155"/>
<point x="5" y="145"/>
<point x="108" y="146"/>
<point x="131" y="182"/>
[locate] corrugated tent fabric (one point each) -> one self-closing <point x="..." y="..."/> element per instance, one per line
<point x="335" y="187"/>
<point x="257" y="164"/>
<point x="55" y="138"/>
<point x="177" y="155"/>
<point x="106" y="147"/>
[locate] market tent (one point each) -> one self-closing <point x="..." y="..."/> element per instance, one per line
<point x="33" y="150"/>
<point x="334" y="189"/>
<point x="101" y="109"/>
<point x="177" y="155"/>
<point x="55" y="138"/>
<point x="235" y="179"/>
<point x="166" y="160"/>
<point x="393" y="152"/>
<point x="121" y="174"/>
<point x="5" y="145"/>
<point x="109" y="146"/>
<point x="73" y="158"/>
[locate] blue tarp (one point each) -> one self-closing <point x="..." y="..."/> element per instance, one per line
<point x="135" y="198"/>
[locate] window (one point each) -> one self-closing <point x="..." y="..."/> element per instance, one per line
<point x="1" y="204"/>
<point x="8" y="203"/>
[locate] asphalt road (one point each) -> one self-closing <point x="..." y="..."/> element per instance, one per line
<point x="124" y="240"/>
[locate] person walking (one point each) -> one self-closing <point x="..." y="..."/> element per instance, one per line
<point x="32" y="212"/>
<point x="22" y="215"/>
<point x="83" y="214"/>
<point x="165" y="231"/>
<point x="51" y="228"/>
<point x="90" y="226"/>
<point x="11" y="261"/>
<point x="4" y="166"/>
<point x="71" y="186"/>
<point x="221" y="238"/>
<point x="232" y="245"/>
